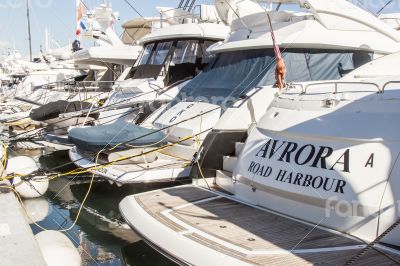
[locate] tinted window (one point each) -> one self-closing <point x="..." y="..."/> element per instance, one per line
<point x="146" y="54"/>
<point x="160" y="53"/>
<point x="185" y="52"/>
<point x="207" y="57"/>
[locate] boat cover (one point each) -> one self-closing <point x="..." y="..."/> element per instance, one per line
<point x="120" y="132"/>
<point x="54" y="109"/>
<point x="232" y="74"/>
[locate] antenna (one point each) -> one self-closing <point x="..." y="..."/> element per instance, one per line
<point x="29" y="30"/>
<point x="46" y="39"/>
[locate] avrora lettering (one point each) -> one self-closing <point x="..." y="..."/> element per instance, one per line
<point x="304" y="155"/>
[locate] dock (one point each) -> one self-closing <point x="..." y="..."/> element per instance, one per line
<point x="18" y="244"/>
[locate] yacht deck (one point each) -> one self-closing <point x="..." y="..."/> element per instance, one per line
<point x="244" y="233"/>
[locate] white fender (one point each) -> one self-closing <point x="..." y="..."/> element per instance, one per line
<point x="37" y="209"/>
<point x="57" y="249"/>
<point x="24" y="165"/>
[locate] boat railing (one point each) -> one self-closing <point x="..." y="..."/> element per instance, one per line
<point x="94" y="85"/>
<point x="336" y="86"/>
<point x="389" y="83"/>
<point x="396" y="19"/>
<point x="198" y="13"/>
<point x="181" y="18"/>
<point x="191" y="14"/>
<point x="74" y="86"/>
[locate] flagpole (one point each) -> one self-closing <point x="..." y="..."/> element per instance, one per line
<point x="29" y="31"/>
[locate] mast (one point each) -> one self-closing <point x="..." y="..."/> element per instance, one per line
<point x="46" y="39"/>
<point x="29" y="30"/>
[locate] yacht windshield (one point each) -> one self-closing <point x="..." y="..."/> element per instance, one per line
<point x="155" y="53"/>
<point x="377" y="7"/>
<point x="232" y="74"/>
<point x="180" y="59"/>
<point x="160" y="53"/>
<point x="185" y="52"/>
<point x="146" y="54"/>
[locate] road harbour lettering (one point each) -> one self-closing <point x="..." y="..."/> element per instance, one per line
<point x="298" y="179"/>
<point x="259" y="169"/>
<point x="316" y="182"/>
<point x="270" y="160"/>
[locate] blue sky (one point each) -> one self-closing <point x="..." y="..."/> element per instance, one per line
<point x="59" y="17"/>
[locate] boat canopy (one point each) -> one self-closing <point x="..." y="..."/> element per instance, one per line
<point x="232" y="74"/>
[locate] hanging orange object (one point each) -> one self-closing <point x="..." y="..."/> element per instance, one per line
<point x="280" y="69"/>
<point x="280" y="73"/>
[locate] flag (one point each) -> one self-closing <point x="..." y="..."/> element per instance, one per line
<point x="80" y="11"/>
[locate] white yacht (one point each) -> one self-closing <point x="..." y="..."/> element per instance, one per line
<point x="107" y="63"/>
<point x="312" y="182"/>
<point x="118" y="58"/>
<point x="170" y="58"/>
<point x="233" y="93"/>
<point x="97" y="66"/>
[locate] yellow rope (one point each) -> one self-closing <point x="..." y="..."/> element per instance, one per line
<point x="4" y="159"/>
<point x="202" y="175"/>
<point x="77" y="215"/>
<point x="89" y="169"/>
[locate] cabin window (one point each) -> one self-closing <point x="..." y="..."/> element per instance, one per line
<point x="160" y="53"/>
<point x="207" y="57"/>
<point x="184" y="57"/>
<point x="185" y="52"/>
<point x="146" y="54"/>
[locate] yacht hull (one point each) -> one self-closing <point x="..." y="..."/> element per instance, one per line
<point x="208" y="227"/>
<point x="131" y="173"/>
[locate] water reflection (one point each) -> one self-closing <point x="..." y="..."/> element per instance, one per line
<point x="139" y="253"/>
<point x="100" y="234"/>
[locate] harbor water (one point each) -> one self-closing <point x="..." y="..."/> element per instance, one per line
<point x="100" y="233"/>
